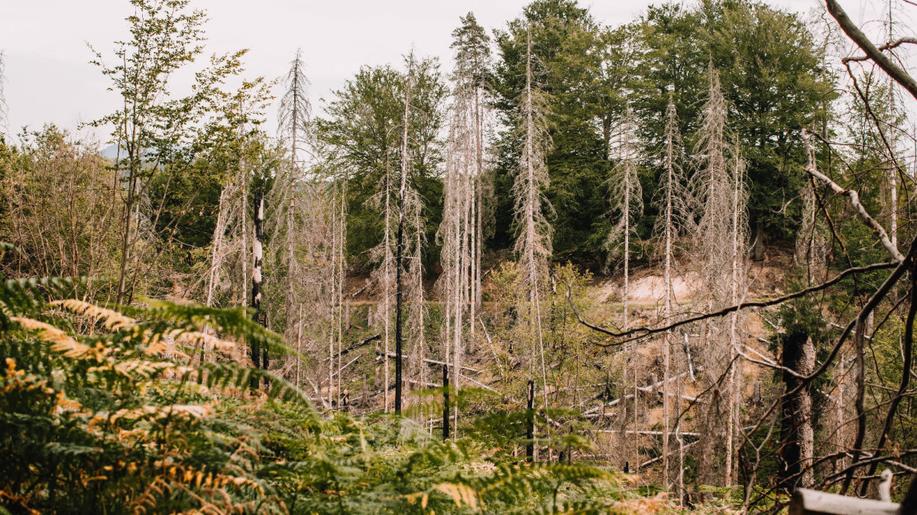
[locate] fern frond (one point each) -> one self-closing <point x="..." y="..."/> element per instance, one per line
<point x="233" y="376"/>
<point x="28" y="293"/>
<point x="60" y="341"/>
<point x="232" y="322"/>
<point x="112" y="320"/>
<point x="461" y="494"/>
<point x="209" y="342"/>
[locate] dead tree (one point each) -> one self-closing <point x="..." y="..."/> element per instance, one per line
<point x="626" y="199"/>
<point x="853" y="335"/>
<point x="461" y="231"/>
<point x="533" y="233"/>
<point x="383" y="275"/>
<point x="294" y="124"/>
<point x="399" y="245"/>
<point x="259" y="355"/>
<point x="721" y="238"/>
<point x="4" y="109"/>
<point x="672" y="202"/>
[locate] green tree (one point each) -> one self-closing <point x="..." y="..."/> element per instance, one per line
<point x="774" y="81"/>
<point x="565" y="41"/>
<point x="360" y="135"/>
<point x="154" y="131"/>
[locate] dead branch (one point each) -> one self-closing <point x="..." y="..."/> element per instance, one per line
<point x="643" y="332"/>
<point x="861" y="210"/>
<point x="853" y="32"/>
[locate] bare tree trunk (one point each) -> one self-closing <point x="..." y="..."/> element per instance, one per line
<point x="243" y="212"/>
<point x="796" y="423"/>
<point x="673" y="214"/>
<point x="340" y="252"/>
<point x="893" y="166"/>
<point x="332" y="359"/>
<point x="216" y="248"/>
<point x="720" y="240"/>
<point x="681" y="446"/>
<point x="735" y="376"/>
<point x="259" y="355"/>
<point x="667" y="314"/>
<point x="386" y="286"/>
<point x="399" y="245"/>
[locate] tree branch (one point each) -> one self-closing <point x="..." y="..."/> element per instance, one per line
<point x="853" y="32"/>
<point x="642" y="332"/>
<point x="855" y="201"/>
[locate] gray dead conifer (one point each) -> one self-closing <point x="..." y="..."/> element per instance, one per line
<point x="533" y="232"/>
<point x="672" y="202"/>
<point x="626" y="199"/>
<point x="720" y="238"/>
<point x="461" y="230"/>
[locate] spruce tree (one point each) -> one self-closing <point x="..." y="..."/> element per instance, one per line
<point x="533" y="232"/>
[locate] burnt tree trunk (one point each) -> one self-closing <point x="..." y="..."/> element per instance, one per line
<point x="259" y="354"/>
<point x="445" y="401"/>
<point x="399" y="294"/>
<point x="796" y="429"/>
<point x="530" y="422"/>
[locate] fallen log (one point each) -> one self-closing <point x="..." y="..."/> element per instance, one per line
<point x="806" y="502"/>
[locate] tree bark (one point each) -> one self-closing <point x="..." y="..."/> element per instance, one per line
<point x="796" y="429"/>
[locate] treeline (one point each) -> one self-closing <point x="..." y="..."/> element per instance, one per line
<point x="776" y="81"/>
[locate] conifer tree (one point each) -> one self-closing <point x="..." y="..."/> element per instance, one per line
<point x="533" y="232"/>
<point x="472" y="62"/>
<point x="4" y="109"/>
<point x="400" y="236"/>
<point x="672" y="204"/>
<point x="461" y="230"/>
<point x="363" y="138"/>
<point x="294" y="124"/>
<point x="626" y="199"/>
<point x="721" y="238"/>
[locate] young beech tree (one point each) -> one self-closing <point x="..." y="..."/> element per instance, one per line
<point x="155" y="133"/>
<point x="57" y="211"/>
<point x="720" y="239"/>
<point x="533" y="232"/>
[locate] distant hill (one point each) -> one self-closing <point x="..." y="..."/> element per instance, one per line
<point x="110" y="152"/>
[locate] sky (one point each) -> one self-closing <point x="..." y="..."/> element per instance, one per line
<point x="48" y="78"/>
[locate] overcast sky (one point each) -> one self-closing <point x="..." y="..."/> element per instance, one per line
<point x="49" y="78"/>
